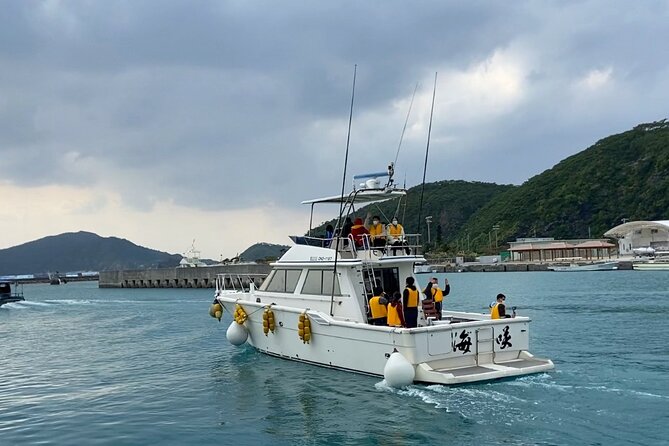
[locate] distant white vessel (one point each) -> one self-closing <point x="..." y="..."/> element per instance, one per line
<point x="313" y="307"/>
<point x="419" y="269"/>
<point x="596" y="266"/>
<point x="658" y="264"/>
<point x="191" y="258"/>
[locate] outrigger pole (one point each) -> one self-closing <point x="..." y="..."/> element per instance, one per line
<point x="427" y="150"/>
<point x="341" y="201"/>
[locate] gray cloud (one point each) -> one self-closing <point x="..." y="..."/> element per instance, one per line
<point x="224" y="105"/>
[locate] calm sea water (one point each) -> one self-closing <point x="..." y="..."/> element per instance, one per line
<point x="82" y="365"/>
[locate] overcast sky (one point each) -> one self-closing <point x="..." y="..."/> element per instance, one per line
<point x="167" y="121"/>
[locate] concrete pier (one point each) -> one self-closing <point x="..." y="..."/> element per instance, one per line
<point x="195" y="277"/>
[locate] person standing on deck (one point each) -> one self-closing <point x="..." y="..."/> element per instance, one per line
<point x="410" y="299"/>
<point x="395" y="313"/>
<point x="378" y="312"/>
<point x="498" y="309"/>
<point x="438" y="294"/>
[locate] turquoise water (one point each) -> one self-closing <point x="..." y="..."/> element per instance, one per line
<point x="81" y="365"/>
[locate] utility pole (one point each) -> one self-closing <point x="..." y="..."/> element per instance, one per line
<point x="428" y="220"/>
<point x="495" y="228"/>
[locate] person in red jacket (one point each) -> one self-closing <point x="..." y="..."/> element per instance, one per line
<point x="358" y="232"/>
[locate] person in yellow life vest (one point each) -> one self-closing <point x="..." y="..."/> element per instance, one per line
<point x="378" y="312"/>
<point x="437" y="295"/>
<point x="395" y="313"/>
<point x="498" y="308"/>
<point x="395" y="236"/>
<point x="377" y="232"/>
<point x="410" y="300"/>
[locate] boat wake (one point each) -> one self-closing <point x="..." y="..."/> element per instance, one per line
<point x="478" y="404"/>
<point x="545" y="381"/>
<point x="68" y="301"/>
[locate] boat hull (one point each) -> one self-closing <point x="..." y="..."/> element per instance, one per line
<point x="7" y="300"/>
<point x="605" y="266"/>
<point x="663" y="266"/>
<point x="445" y="353"/>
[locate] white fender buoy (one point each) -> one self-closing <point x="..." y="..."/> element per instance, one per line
<point x="398" y="371"/>
<point x="236" y="334"/>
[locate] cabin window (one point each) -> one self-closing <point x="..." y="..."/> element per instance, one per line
<point x="283" y="280"/>
<point x="653" y="231"/>
<point x="320" y="282"/>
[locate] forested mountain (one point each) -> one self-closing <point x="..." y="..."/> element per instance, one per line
<point x="80" y="251"/>
<point x="451" y="204"/>
<point x="621" y="176"/>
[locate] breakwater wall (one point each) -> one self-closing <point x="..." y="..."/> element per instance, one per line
<point x="506" y="267"/>
<point x="194" y="277"/>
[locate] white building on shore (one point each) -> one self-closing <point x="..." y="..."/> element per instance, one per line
<point x="641" y="237"/>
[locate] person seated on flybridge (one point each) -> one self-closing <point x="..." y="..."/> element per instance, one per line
<point x="358" y="231"/>
<point x="395" y="235"/>
<point x="377" y="232"/>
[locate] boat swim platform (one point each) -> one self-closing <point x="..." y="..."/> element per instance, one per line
<point x="239" y="277"/>
<point x="483" y="372"/>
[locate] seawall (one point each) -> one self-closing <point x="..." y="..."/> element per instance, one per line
<point x="194" y="277"/>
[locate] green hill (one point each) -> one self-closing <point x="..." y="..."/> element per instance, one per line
<point x="262" y="252"/>
<point x="621" y="176"/>
<point x="450" y="203"/>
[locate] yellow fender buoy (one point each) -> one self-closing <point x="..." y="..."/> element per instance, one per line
<point x="240" y="315"/>
<point x="304" y="328"/>
<point x="268" y="321"/>
<point x="216" y="310"/>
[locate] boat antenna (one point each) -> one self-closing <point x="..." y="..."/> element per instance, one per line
<point x="427" y="150"/>
<point x="341" y="201"/>
<point x="405" y="124"/>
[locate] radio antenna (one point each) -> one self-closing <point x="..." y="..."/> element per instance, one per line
<point x="427" y="150"/>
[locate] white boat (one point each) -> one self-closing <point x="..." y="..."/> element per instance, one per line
<point x="423" y="269"/>
<point x="595" y="266"/>
<point x="657" y="264"/>
<point x="313" y="308"/>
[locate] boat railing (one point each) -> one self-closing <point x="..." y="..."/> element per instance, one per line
<point x="409" y="244"/>
<point x="238" y="282"/>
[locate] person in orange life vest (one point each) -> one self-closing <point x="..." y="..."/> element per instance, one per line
<point x="378" y="311"/>
<point x="498" y="309"/>
<point x="377" y="232"/>
<point x="358" y="231"/>
<point x="410" y="300"/>
<point x="395" y="313"/>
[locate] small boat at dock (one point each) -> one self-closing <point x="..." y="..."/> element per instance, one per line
<point x="594" y="266"/>
<point x="656" y="264"/>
